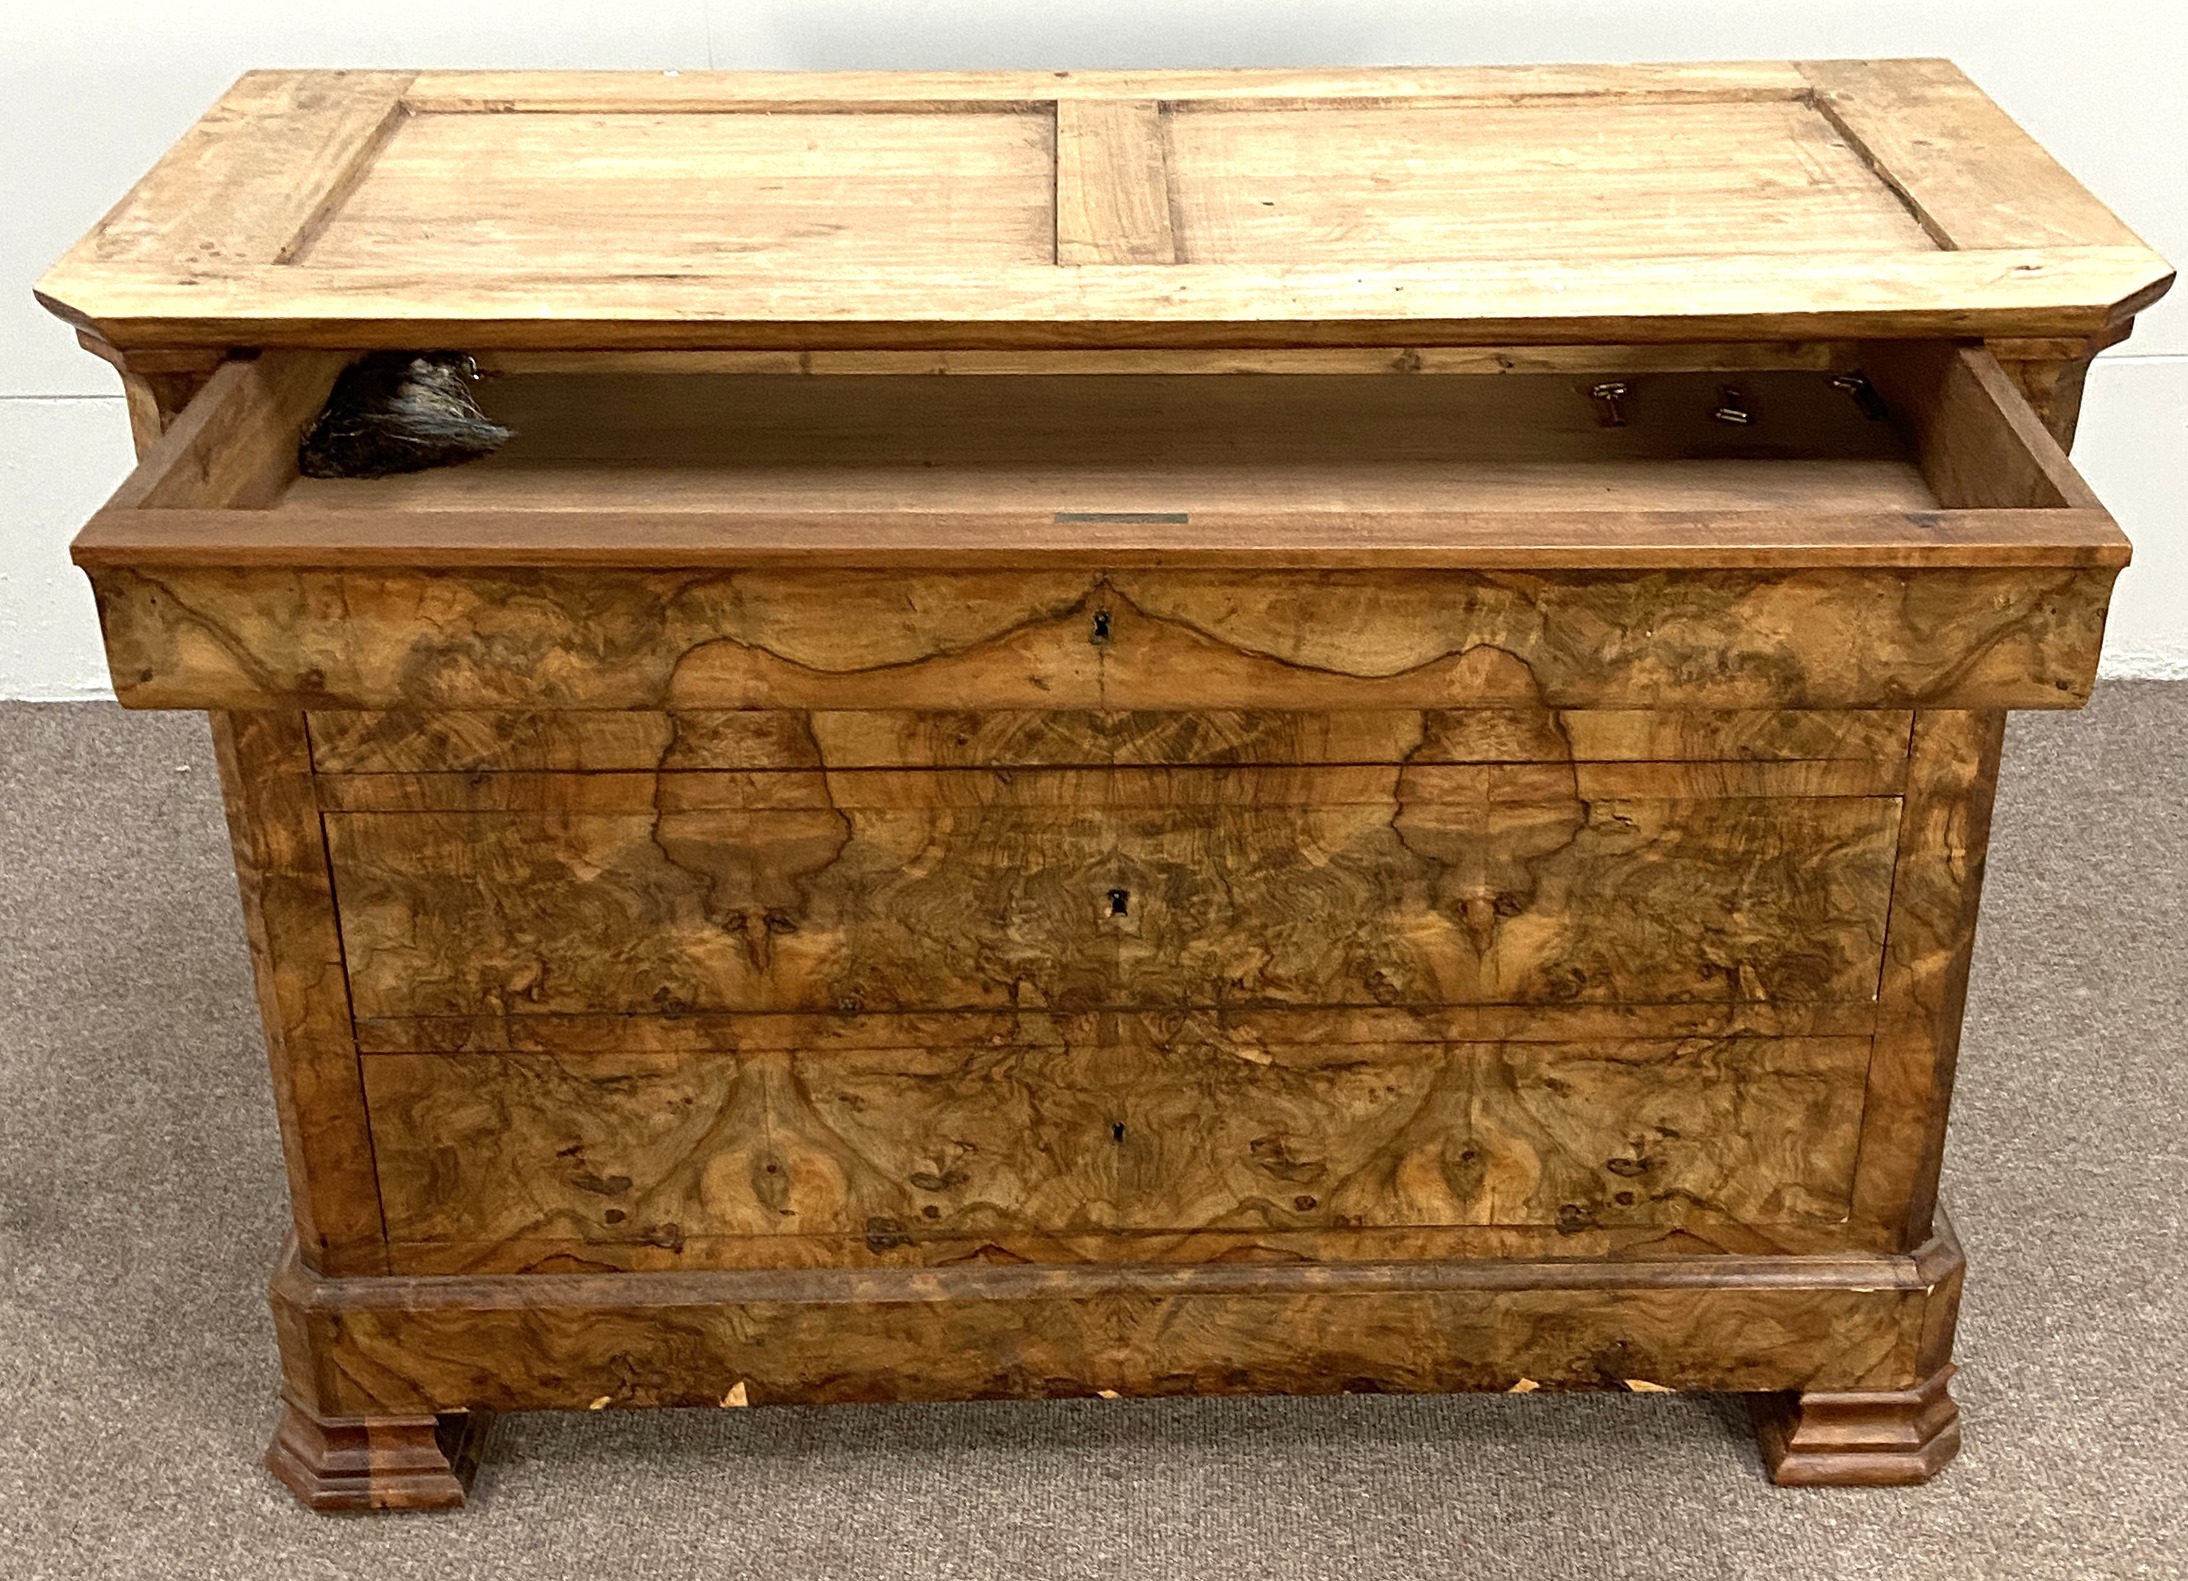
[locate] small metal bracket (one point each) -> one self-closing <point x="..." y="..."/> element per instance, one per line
<point x="1610" y="400"/>
<point x="1857" y="385"/>
<point x="1732" y="407"/>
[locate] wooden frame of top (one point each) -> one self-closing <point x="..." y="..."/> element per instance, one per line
<point x="1759" y="200"/>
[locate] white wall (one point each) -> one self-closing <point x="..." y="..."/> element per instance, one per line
<point x="91" y="91"/>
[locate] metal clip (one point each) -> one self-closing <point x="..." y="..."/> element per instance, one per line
<point x="1610" y="399"/>
<point x="1732" y="407"/>
<point x="1857" y="385"/>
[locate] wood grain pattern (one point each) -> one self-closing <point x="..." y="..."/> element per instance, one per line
<point x="155" y="385"/>
<point x="420" y="1345"/>
<point x="1112" y="184"/>
<point x="1680" y="203"/>
<point x="1394" y="182"/>
<point x="1111" y="888"/>
<point x="1774" y="296"/>
<point x="1005" y="1151"/>
<point x="347" y="742"/>
<point x="744" y="1032"/>
<point x="1534" y="536"/>
<point x="1503" y="471"/>
<point x="303" y="992"/>
<point x="769" y="92"/>
<point x="1177" y="641"/>
<point x="2050" y="374"/>
<point x="236" y="448"/>
<point x="584" y="195"/>
<point x="761" y="445"/>
<point x="349" y="1464"/>
<point x="1815" y="356"/>
<point x="1885" y="1438"/>
<point x="1979" y="444"/>
<point x="1974" y="178"/>
<point x="1443" y="793"/>
<point x="1937" y="886"/>
<point x="252" y="175"/>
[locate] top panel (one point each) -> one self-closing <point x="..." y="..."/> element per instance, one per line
<point x="1250" y="208"/>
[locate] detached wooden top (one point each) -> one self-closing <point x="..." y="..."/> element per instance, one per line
<point x="1234" y="208"/>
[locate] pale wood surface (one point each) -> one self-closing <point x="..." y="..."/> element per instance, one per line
<point x="1969" y="174"/>
<point x="1113" y="197"/>
<point x="2022" y="291"/>
<point x="1188" y="208"/>
<point x="773" y="91"/>
<point x="658" y="194"/>
<point x="1509" y="469"/>
<point x="1392" y="183"/>
<point x="262" y="166"/>
<point x="236" y="447"/>
<point x="1277" y="445"/>
<point x="1595" y="361"/>
<point x="1924" y="542"/>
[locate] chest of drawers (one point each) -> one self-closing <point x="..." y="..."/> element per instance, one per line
<point x="1113" y="734"/>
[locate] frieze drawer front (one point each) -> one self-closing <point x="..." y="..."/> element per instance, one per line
<point x="701" y="541"/>
<point x="1107" y="734"/>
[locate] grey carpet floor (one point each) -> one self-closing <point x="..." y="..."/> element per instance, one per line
<point x="141" y="1200"/>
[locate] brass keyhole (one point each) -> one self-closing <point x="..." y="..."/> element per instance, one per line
<point x="1120" y="901"/>
<point x="1101" y="625"/>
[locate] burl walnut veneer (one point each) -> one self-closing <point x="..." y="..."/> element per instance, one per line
<point x="1113" y="734"/>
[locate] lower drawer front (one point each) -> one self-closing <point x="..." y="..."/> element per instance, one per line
<point x="1107" y="1137"/>
<point x="507" y="895"/>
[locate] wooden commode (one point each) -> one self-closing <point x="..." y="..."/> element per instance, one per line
<point x="1116" y="733"/>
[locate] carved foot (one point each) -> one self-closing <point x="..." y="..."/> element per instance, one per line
<point x="1885" y="1439"/>
<point x="376" y="1462"/>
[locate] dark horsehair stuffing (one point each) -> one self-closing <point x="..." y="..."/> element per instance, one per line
<point x="399" y="411"/>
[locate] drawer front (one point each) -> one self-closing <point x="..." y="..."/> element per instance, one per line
<point x="273" y="637"/>
<point x="765" y="988"/>
<point x="1418" y="883"/>
<point x="1103" y="1136"/>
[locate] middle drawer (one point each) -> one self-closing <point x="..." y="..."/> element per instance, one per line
<point x="1423" y="881"/>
